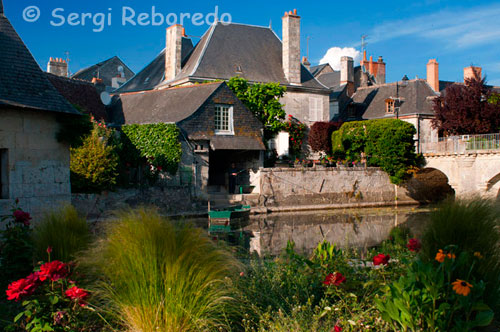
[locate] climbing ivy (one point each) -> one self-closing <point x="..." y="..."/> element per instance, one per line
<point x="158" y="143"/>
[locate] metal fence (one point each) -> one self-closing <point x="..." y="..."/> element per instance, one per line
<point x="462" y="144"/>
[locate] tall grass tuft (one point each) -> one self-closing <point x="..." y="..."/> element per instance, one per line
<point x="160" y="276"/>
<point x="473" y="226"/>
<point x="63" y="230"/>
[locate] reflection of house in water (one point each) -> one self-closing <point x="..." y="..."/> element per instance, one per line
<point x="358" y="229"/>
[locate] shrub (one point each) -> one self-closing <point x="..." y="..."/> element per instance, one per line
<point x="320" y="136"/>
<point x="473" y="226"/>
<point x="297" y="132"/>
<point x="386" y="143"/>
<point x="93" y="165"/>
<point x="157" y="276"/>
<point x="158" y="143"/>
<point x="64" y="231"/>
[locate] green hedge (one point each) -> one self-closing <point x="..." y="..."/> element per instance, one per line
<point x="387" y="143"/>
<point x="158" y="143"/>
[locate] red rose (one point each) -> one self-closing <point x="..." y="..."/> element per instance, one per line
<point x="334" y="279"/>
<point x="54" y="271"/>
<point x="78" y="294"/>
<point x="22" y="217"/>
<point x="49" y="249"/>
<point x="381" y="259"/>
<point x="414" y="245"/>
<point x="337" y="329"/>
<point x="22" y="287"/>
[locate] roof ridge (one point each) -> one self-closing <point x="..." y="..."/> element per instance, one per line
<point x="169" y="89"/>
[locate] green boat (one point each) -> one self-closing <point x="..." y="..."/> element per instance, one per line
<point x="219" y="220"/>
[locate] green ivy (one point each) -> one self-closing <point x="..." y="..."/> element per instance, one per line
<point x="387" y="143"/>
<point x="158" y="143"/>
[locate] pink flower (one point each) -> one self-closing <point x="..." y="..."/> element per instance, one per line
<point x="334" y="279"/>
<point x="414" y="245"/>
<point x="381" y="259"/>
<point x="77" y="294"/>
<point x="49" y="250"/>
<point x="337" y="329"/>
<point x="53" y="271"/>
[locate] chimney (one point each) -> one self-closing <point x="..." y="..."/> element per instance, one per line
<point x="173" y="51"/>
<point x="291" y="47"/>
<point x="380" y="71"/>
<point x="57" y="67"/>
<point x="1" y="8"/>
<point x="433" y="74"/>
<point x="471" y="71"/>
<point x="347" y="73"/>
<point x="306" y="63"/>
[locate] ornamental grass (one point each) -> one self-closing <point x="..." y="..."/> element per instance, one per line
<point x="64" y="231"/>
<point x="159" y="276"/>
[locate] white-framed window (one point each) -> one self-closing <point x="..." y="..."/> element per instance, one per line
<point x="4" y="174"/>
<point x="390" y="105"/>
<point x="224" y="119"/>
<point x="315" y="109"/>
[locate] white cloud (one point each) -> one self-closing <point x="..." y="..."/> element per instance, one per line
<point x="455" y="28"/>
<point x="334" y="54"/>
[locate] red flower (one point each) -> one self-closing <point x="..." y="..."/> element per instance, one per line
<point x="22" y="287"/>
<point x="414" y="245"/>
<point x="78" y="294"/>
<point x="381" y="259"/>
<point x="334" y="279"/>
<point x="22" y="217"/>
<point x="337" y="329"/>
<point x="54" y="271"/>
<point x="49" y="250"/>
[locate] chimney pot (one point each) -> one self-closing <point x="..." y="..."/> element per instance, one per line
<point x="433" y="74"/>
<point x="295" y="12"/>
<point x="291" y="48"/>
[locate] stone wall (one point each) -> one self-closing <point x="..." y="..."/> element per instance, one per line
<point x="295" y="188"/>
<point x="38" y="165"/>
<point x="298" y="104"/>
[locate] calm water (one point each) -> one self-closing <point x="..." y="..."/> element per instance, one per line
<point x="360" y="228"/>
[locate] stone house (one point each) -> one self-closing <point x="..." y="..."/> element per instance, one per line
<point x="34" y="166"/>
<point x="252" y="52"/>
<point x="216" y="128"/>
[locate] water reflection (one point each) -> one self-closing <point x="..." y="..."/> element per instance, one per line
<point x="361" y="228"/>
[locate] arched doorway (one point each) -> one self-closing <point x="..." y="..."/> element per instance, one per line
<point x="493" y="187"/>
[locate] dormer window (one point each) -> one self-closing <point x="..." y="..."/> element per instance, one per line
<point x="224" y="120"/>
<point x="390" y="106"/>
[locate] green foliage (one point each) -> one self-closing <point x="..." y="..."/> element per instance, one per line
<point x="297" y="132"/>
<point x="473" y="226"/>
<point x="64" y="231"/>
<point x="73" y="129"/>
<point x="93" y="165"/>
<point x="262" y="99"/>
<point x="423" y="299"/>
<point x="158" y="143"/>
<point x="160" y="276"/>
<point x="387" y="144"/>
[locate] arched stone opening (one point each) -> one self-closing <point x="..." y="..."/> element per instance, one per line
<point x="493" y="187"/>
<point x="429" y="185"/>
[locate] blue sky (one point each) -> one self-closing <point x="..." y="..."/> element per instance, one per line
<point x="407" y="34"/>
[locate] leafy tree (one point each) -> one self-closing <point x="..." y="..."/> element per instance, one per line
<point x="320" y="136"/>
<point x="464" y="109"/>
<point x="263" y="100"/>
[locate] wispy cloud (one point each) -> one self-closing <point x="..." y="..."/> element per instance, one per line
<point x="461" y="28"/>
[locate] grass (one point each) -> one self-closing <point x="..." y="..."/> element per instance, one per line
<point x="160" y="276"/>
<point x="63" y="230"/>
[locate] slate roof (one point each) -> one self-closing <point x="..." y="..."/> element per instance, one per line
<point x="416" y="98"/>
<point x="168" y="105"/>
<point x="330" y="80"/>
<point x="220" y="53"/>
<point x="81" y="93"/>
<point x="444" y="84"/>
<point x="317" y="69"/>
<point x="22" y="82"/>
<point x="105" y="70"/>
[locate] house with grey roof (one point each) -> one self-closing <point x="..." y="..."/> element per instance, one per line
<point x="252" y="52"/>
<point x="112" y="73"/>
<point x="34" y="166"/>
<point x="217" y="129"/>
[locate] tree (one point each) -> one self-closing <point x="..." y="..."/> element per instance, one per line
<point x="262" y="99"/>
<point x="464" y="109"/>
<point x="320" y="136"/>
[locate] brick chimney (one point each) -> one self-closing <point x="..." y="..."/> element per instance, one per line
<point x="291" y="47"/>
<point x="306" y="63"/>
<point x="471" y="71"/>
<point x="433" y="74"/>
<point x="57" y="67"/>
<point x="173" y="51"/>
<point x="380" y="74"/>
<point x="1" y="8"/>
<point x="347" y="73"/>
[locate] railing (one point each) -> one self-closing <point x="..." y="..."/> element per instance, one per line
<point x="462" y="144"/>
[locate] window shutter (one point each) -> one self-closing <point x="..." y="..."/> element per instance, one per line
<point x="315" y="109"/>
